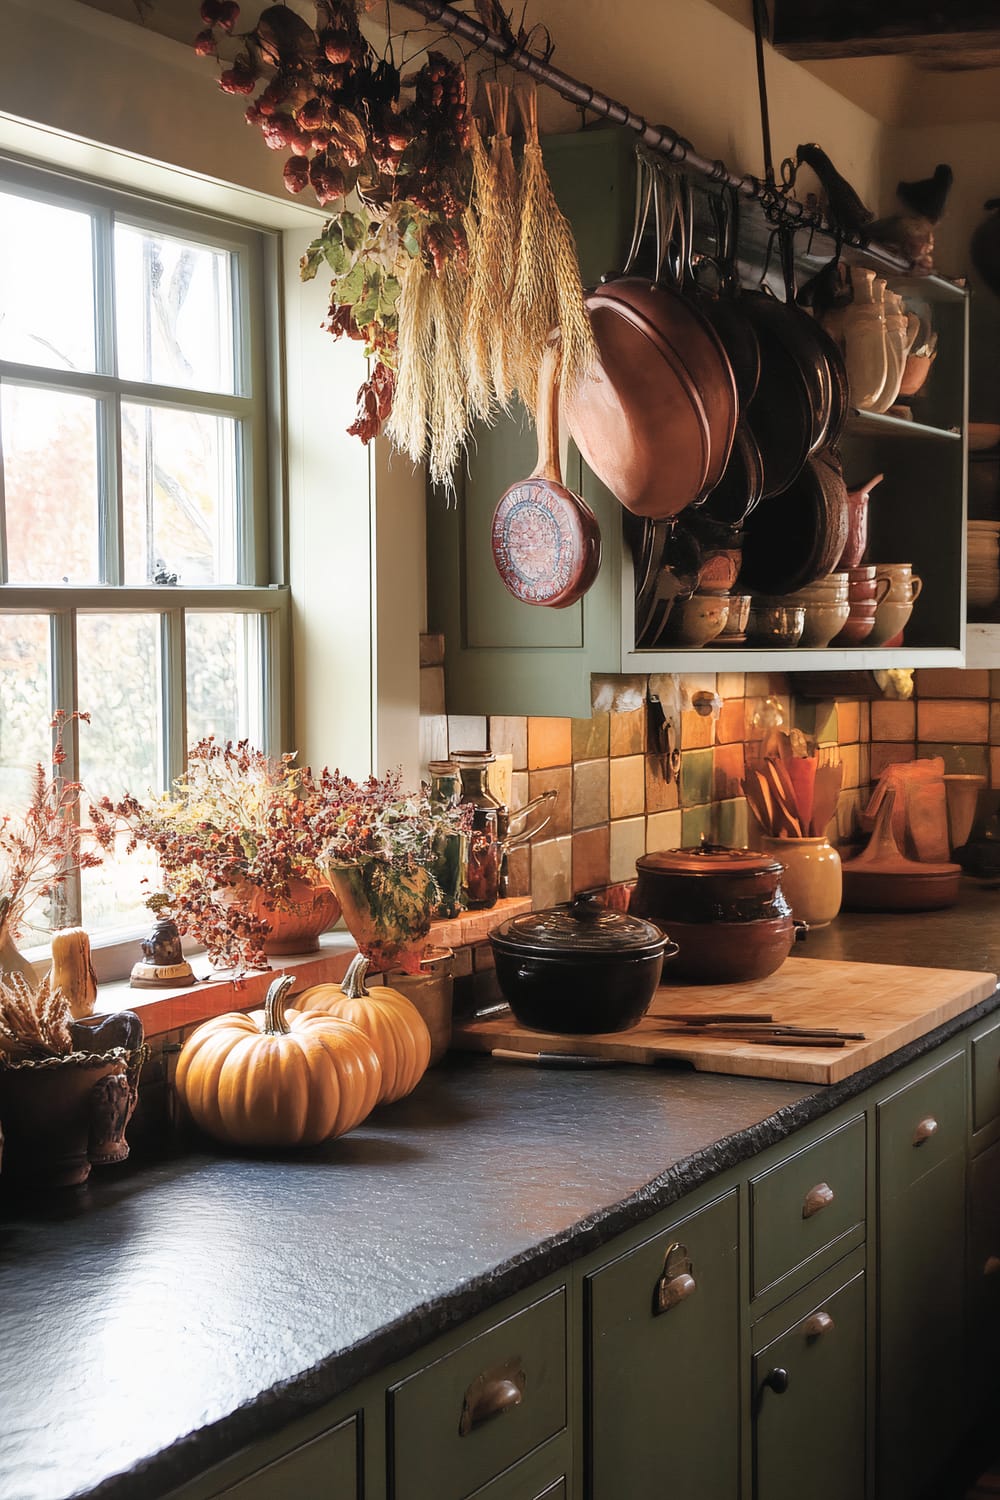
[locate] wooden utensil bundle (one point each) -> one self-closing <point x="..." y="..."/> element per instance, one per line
<point x="759" y="1028"/>
<point x="793" y="795"/>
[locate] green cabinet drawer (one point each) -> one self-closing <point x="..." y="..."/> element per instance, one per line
<point x="324" y="1469"/>
<point x="473" y="1413"/>
<point x="807" y="1203"/>
<point x="984" y="1279"/>
<point x="809" y="1377"/>
<point x="661" y="1342"/>
<point x="922" y="1124"/>
<point x="986" y="1077"/>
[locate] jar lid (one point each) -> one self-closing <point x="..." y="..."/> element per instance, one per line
<point x="472" y="757"/>
<point x="583" y="926"/>
<point x="708" y="859"/>
<point x="442" y="767"/>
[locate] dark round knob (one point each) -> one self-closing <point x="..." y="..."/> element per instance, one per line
<point x="777" y="1380"/>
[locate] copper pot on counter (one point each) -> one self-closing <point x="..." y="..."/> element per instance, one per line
<point x="723" y="907"/>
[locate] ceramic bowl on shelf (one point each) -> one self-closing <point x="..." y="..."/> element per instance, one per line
<point x="822" y="622"/>
<point x="697" y="620"/>
<point x="891" y="618"/>
<point x="774" y="623"/>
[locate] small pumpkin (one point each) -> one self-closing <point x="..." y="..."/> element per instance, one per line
<point x="271" y="1078"/>
<point x="395" y="1027"/>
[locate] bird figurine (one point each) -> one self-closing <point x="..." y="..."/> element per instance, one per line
<point x="920" y="207"/>
<point x="845" y="209"/>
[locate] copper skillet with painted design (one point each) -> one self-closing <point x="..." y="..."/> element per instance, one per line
<point x="546" y="540"/>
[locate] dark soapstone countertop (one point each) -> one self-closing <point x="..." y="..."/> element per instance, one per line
<point x="168" y="1313"/>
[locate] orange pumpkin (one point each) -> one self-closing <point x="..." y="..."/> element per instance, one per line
<point x="271" y="1079"/>
<point x="395" y="1027"/>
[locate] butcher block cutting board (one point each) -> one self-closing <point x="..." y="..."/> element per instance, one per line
<point x="889" y="1003"/>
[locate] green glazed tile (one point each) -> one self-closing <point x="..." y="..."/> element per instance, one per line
<point x="591" y="737"/>
<point x="968" y="760"/>
<point x="696" y="824"/>
<point x="696" y="777"/>
<point x="732" y="823"/>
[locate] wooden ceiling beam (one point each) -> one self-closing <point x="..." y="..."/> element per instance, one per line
<point x="857" y="28"/>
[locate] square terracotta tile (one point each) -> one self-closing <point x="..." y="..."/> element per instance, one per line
<point x="728" y="765"/>
<point x="590" y="793"/>
<point x="628" y="842"/>
<point x="850" y="759"/>
<point x="825" y="727"/>
<point x="628" y="786"/>
<point x="551" y="872"/>
<point x="466" y="732"/>
<point x="889" y="753"/>
<point x="848" y="722"/>
<point x="995" y="684"/>
<point x="995" y="768"/>
<point x="550" y="743"/>
<point x="895" y="719"/>
<point x="628" y="732"/>
<point x="663" y="831"/>
<point x="518" y="789"/>
<point x="952" y="682"/>
<point x="697" y="730"/>
<point x="559" y="779"/>
<point x="845" y="825"/>
<point x="995" y="723"/>
<point x="864" y="764"/>
<point x="591" y="858"/>
<point x="432" y="650"/>
<point x="662" y="795"/>
<point x="519" y="872"/>
<point x="865" y="721"/>
<point x="730" y="685"/>
<point x="590" y="737"/>
<point x="953" y="721"/>
<point x="432" y="690"/>
<point x="730" y="727"/>
<point x="509" y="736"/>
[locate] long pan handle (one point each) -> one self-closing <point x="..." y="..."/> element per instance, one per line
<point x="547" y="415"/>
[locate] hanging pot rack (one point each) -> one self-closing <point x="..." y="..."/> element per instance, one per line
<point x="659" y="139"/>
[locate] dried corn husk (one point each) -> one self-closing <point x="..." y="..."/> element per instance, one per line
<point x="547" y="290"/>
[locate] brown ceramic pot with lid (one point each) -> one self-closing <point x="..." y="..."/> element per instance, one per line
<point x="579" y="968"/>
<point x="723" y="907"/>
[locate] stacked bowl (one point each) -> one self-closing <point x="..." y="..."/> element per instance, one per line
<point x="865" y="591"/>
<point x="983" y="563"/>
<point x="895" y="608"/>
<point x="826" y="607"/>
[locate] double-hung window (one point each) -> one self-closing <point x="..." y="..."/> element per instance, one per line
<point x="140" y="518"/>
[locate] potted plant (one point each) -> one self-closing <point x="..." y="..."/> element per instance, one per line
<point x="40" y="848"/>
<point x="238" y="840"/>
<point x="382" y="851"/>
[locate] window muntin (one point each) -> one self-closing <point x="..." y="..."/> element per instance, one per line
<point x="137" y="458"/>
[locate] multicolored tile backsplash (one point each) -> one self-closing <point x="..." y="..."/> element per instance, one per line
<point x="617" y="797"/>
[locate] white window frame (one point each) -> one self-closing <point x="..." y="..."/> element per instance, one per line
<point x="256" y="405"/>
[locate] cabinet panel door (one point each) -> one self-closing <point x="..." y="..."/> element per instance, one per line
<point x="809" y="1398"/>
<point x="663" y="1355"/>
<point x="325" y="1469"/>
<point x="921" y="1280"/>
<point x="984" y="1279"/>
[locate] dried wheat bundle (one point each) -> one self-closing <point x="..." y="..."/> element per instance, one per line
<point x="33" y="1023"/>
<point x="430" y="413"/>
<point x="493" y="268"/>
<point x="547" y="291"/>
<point x="480" y="316"/>
<point x="407" y="424"/>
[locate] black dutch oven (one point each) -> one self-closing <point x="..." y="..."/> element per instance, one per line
<point x="579" y="969"/>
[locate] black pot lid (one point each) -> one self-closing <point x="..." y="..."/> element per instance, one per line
<point x="580" y="927"/>
<point x="708" y="859"/>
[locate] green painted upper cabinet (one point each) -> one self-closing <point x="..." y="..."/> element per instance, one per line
<point x="502" y="656"/>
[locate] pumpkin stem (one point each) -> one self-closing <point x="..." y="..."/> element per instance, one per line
<point x="353" y="983"/>
<point x="274" y="1006"/>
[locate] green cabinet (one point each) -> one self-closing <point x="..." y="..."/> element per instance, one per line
<point x="809" y="1391"/>
<point x="661" y="1339"/>
<point x="325" y="1468"/>
<point x="921" y="1277"/>
<point x="983" y="1272"/>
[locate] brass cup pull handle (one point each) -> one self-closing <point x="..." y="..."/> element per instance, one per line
<point x="925" y="1130"/>
<point x="816" y="1198"/>
<point x="491" y="1394"/>
<point x="673" y="1289"/>
<point x="991" y="1265"/>
<point x="817" y="1324"/>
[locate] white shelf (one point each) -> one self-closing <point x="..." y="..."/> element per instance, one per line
<point x="875" y="423"/>
<point x="982" y="646"/>
<point x="829" y="659"/>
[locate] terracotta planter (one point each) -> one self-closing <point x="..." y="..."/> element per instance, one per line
<point x="63" y="1115"/>
<point x="295" y="920"/>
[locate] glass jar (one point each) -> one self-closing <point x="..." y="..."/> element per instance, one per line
<point x="449" y="863"/>
<point x="489" y="829"/>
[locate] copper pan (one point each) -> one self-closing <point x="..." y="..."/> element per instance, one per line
<point x="656" y="423"/>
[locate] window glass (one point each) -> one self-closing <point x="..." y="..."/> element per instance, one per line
<point x="174" y="311"/>
<point x="223" y="676"/>
<point x="179" y="485"/>
<point x="49" y="443"/>
<point x="44" y="321"/>
<point x="25" y="737"/>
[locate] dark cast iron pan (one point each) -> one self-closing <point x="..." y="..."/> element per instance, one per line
<point x="793" y="539"/>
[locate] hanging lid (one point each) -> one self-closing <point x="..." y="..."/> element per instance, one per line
<point x="708" y="859"/>
<point x="581" y="927"/>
